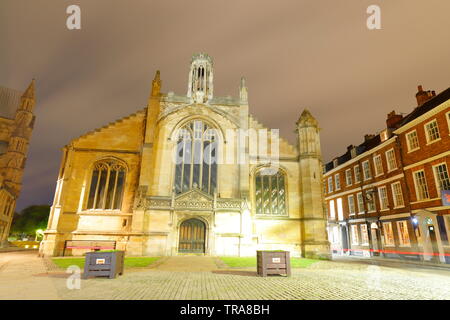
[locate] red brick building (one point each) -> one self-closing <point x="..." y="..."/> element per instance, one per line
<point x="384" y="197"/>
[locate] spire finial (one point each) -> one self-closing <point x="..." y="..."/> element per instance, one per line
<point x="307" y="120"/>
<point x="156" y="84"/>
<point x="243" y="91"/>
<point x="29" y="93"/>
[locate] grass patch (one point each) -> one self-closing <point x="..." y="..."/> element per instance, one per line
<point x="130" y="262"/>
<point x="247" y="262"/>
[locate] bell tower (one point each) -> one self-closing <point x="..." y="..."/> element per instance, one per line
<point x="200" y="88"/>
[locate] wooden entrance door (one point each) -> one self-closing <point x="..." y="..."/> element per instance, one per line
<point x="192" y="236"/>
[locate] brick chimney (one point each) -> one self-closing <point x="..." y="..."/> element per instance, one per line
<point x="423" y="96"/>
<point x="393" y="120"/>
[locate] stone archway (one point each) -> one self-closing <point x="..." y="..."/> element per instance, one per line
<point x="192" y="236"/>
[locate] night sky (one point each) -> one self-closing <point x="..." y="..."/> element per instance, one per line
<point x="295" y="54"/>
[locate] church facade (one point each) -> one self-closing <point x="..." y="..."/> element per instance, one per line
<point x="190" y="174"/>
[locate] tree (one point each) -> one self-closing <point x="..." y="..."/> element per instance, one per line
<point x="30" y="219"/>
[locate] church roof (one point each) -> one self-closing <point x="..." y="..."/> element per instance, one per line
<point x="9" y="102"/>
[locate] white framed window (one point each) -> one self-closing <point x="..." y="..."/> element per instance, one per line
<point x="364" y="235"/>
<point x="432" y="131"/>
<point x="336" y="234"/>
<point x="355" y="237"/>
<point x="324" y="187"/>
<point x="382" y="194"/>
<point x="330" y="184"/>
<point x="448" y="120"/>
<point x="340" y="209"/>
<point x="403" y="234"/>
<point x="348" y="177"/>
<point x="351" y="204"/>
<point x="332" y="210"/>
<point x="390" y="159"/>
<point x="412" y="141"/>
<point x="366" y="170"/>
<point x="371" y="207"/>
<point x="397" y="195"/>
<point x="360" y="199"/>
<point x="335" y="163"/>
<point x="441" y="176"/>
<point x="388" y="234"/>
<point x="420" y="183"/>
<point x="357" y="171"/>
<point x="378" y="165"/>
<point x="337" y="181"/>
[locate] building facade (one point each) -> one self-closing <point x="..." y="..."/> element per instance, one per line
<point x="388" y="196"/>
<point x="16" y="126"/>
<point x="188" y="174"/>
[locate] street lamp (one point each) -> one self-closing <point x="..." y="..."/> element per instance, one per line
<point x="39" y="232"/>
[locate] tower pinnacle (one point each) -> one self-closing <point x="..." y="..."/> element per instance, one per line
<point x="200" y="87"/>
<point x="29" y="93"/>
<point x="156" y="84"/>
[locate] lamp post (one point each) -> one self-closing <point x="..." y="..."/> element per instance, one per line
<point x="39" y="232"/>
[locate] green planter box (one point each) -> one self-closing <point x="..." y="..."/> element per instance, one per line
<point x="104" y="264"/>
<point x="273" y="262"/>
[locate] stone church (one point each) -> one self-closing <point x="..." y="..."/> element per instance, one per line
<point x="16" y="125"/>
<point x="190" y="174"/>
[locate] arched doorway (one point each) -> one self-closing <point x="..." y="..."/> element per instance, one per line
<point x="192" y="236"/>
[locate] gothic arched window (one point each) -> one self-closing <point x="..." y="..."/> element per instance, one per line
<point x="107" y="185"/>
<point x="270" y="192"/>
<point x="196" y="158"/>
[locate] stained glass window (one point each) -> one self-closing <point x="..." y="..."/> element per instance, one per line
<point x="196" y="158"/>
<point x="270" y="193"/>
<point x="107" y="185"/>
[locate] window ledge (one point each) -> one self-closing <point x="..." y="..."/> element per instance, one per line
<point x="431" y="142"/>
<point x="410" y="151"/>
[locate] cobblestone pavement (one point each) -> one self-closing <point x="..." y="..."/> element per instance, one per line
<point x="201" y="278"/>
<point x="24" y="276"/>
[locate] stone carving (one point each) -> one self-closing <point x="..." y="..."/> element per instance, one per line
<point x="229" y="204"/>
<point x="192" y="200"/>
<point x="140" y="201"/>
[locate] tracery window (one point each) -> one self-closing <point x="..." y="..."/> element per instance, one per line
<point x="107" y="185"/>
<point x="196" y="158"/>
<point x="270" y="189"/>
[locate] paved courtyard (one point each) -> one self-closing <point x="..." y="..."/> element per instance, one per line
<point x="23" y="275"/>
